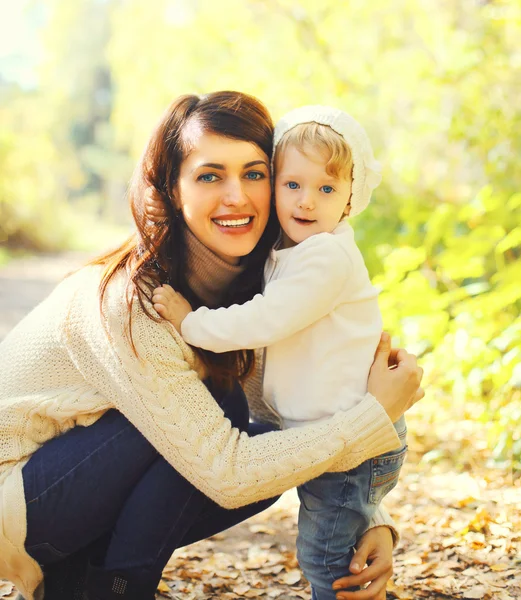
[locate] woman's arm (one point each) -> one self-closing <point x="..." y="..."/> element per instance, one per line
<point x="397" y="389"/>
<point x="315" y="277"/>
<point x="161" y="395"/>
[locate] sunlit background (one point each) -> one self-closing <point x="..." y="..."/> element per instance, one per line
<point x="437" y="84"/>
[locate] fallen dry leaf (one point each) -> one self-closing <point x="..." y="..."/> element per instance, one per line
<point x="227" y="574"/>
<point x="6" y="588"/>
<point x="291" y="577"/>
<point x="254" y="594"/>
<point x="240" y="589"/>
<point x="479" y="592"/>
<point x="163" y="588"/>
<point x="499" y="567"/>
<point x="260" y="528"/>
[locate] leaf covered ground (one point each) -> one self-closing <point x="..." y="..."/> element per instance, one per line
<point x="461" y="538"/>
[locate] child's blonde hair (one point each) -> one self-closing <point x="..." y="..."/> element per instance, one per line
<point x="323" y="138"/>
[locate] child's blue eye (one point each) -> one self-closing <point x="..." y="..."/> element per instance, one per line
<point x="255" y="175"/>
<point x="327" y="189"/>
<point x="207" y="177"/>
<point x="293" y="185"/>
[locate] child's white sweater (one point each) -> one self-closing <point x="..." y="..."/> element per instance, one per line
<point x="318" y="318"/>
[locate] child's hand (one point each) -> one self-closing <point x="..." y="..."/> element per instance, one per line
<point x="171" y="305"/>
<point x="154" y="205"/>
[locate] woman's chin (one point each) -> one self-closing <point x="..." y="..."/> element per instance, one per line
<point x="233" y="249"/>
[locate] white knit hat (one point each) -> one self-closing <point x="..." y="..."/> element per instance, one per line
<point x="366" y="170"/>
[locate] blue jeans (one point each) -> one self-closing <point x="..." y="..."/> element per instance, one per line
<point x="105" y="488"/>
<point x="335" y="510"/>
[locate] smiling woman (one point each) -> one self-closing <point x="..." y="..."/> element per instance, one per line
<point x="225" y="204"/>
<point x="208" y="159"/>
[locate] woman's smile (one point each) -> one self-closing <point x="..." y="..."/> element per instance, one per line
<point x="234" y="224"/>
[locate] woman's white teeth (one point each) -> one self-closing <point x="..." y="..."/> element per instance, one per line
<point x="234" y="222"/>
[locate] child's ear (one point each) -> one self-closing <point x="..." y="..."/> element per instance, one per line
<point x="347" y="209"/>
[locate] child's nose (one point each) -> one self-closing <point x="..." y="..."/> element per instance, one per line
<point x="305" y="201"/>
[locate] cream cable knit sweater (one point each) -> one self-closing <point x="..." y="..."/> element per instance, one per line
<point x="62" y="368"/>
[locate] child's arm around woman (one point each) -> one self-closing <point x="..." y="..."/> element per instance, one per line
<point x="313" y="281"/>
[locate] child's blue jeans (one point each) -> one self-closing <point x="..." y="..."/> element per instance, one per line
<point x="335" y="510"/>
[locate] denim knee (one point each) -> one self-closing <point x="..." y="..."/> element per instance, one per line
<point x="328" y="528"/>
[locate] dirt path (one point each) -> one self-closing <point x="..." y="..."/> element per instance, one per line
<point x="26" y="282"/>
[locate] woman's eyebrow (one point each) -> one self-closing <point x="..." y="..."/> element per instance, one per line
<point x="211" y="165"/>
<point x="221" y="167"/>
<point x="256" y="162"/>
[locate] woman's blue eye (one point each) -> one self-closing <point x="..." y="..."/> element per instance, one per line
<point x="254" y="175"/>
<point x="327" y="189"/>
<point x="293" y="185"/>
<point x="208" y="177"/>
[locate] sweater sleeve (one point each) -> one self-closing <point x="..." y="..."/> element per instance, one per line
<point x="382" y="518"/>
<point x="161" y="395"/>
<point x="315" y="276"/>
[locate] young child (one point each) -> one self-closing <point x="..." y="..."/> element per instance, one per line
<point x="318" y="319"/>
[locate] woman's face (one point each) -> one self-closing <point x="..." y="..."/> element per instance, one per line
<point x="224" y="193"/>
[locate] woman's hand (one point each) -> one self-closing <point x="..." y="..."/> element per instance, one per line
<point x="394" y="379"/>
<point x="375" y="549"/>
<point x="154" y="205"/>
<point x="171" y="305"/>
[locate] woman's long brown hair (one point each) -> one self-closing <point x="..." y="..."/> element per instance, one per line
<point x="157" y="252"/>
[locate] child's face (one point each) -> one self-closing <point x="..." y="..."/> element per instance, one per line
<point x="308" y="200"/>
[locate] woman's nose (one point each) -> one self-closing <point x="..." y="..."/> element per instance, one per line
<point x="234" y="194"/>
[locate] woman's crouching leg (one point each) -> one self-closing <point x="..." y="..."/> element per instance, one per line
<point x="75" y="485"/>
<point x="164" y="512"/>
